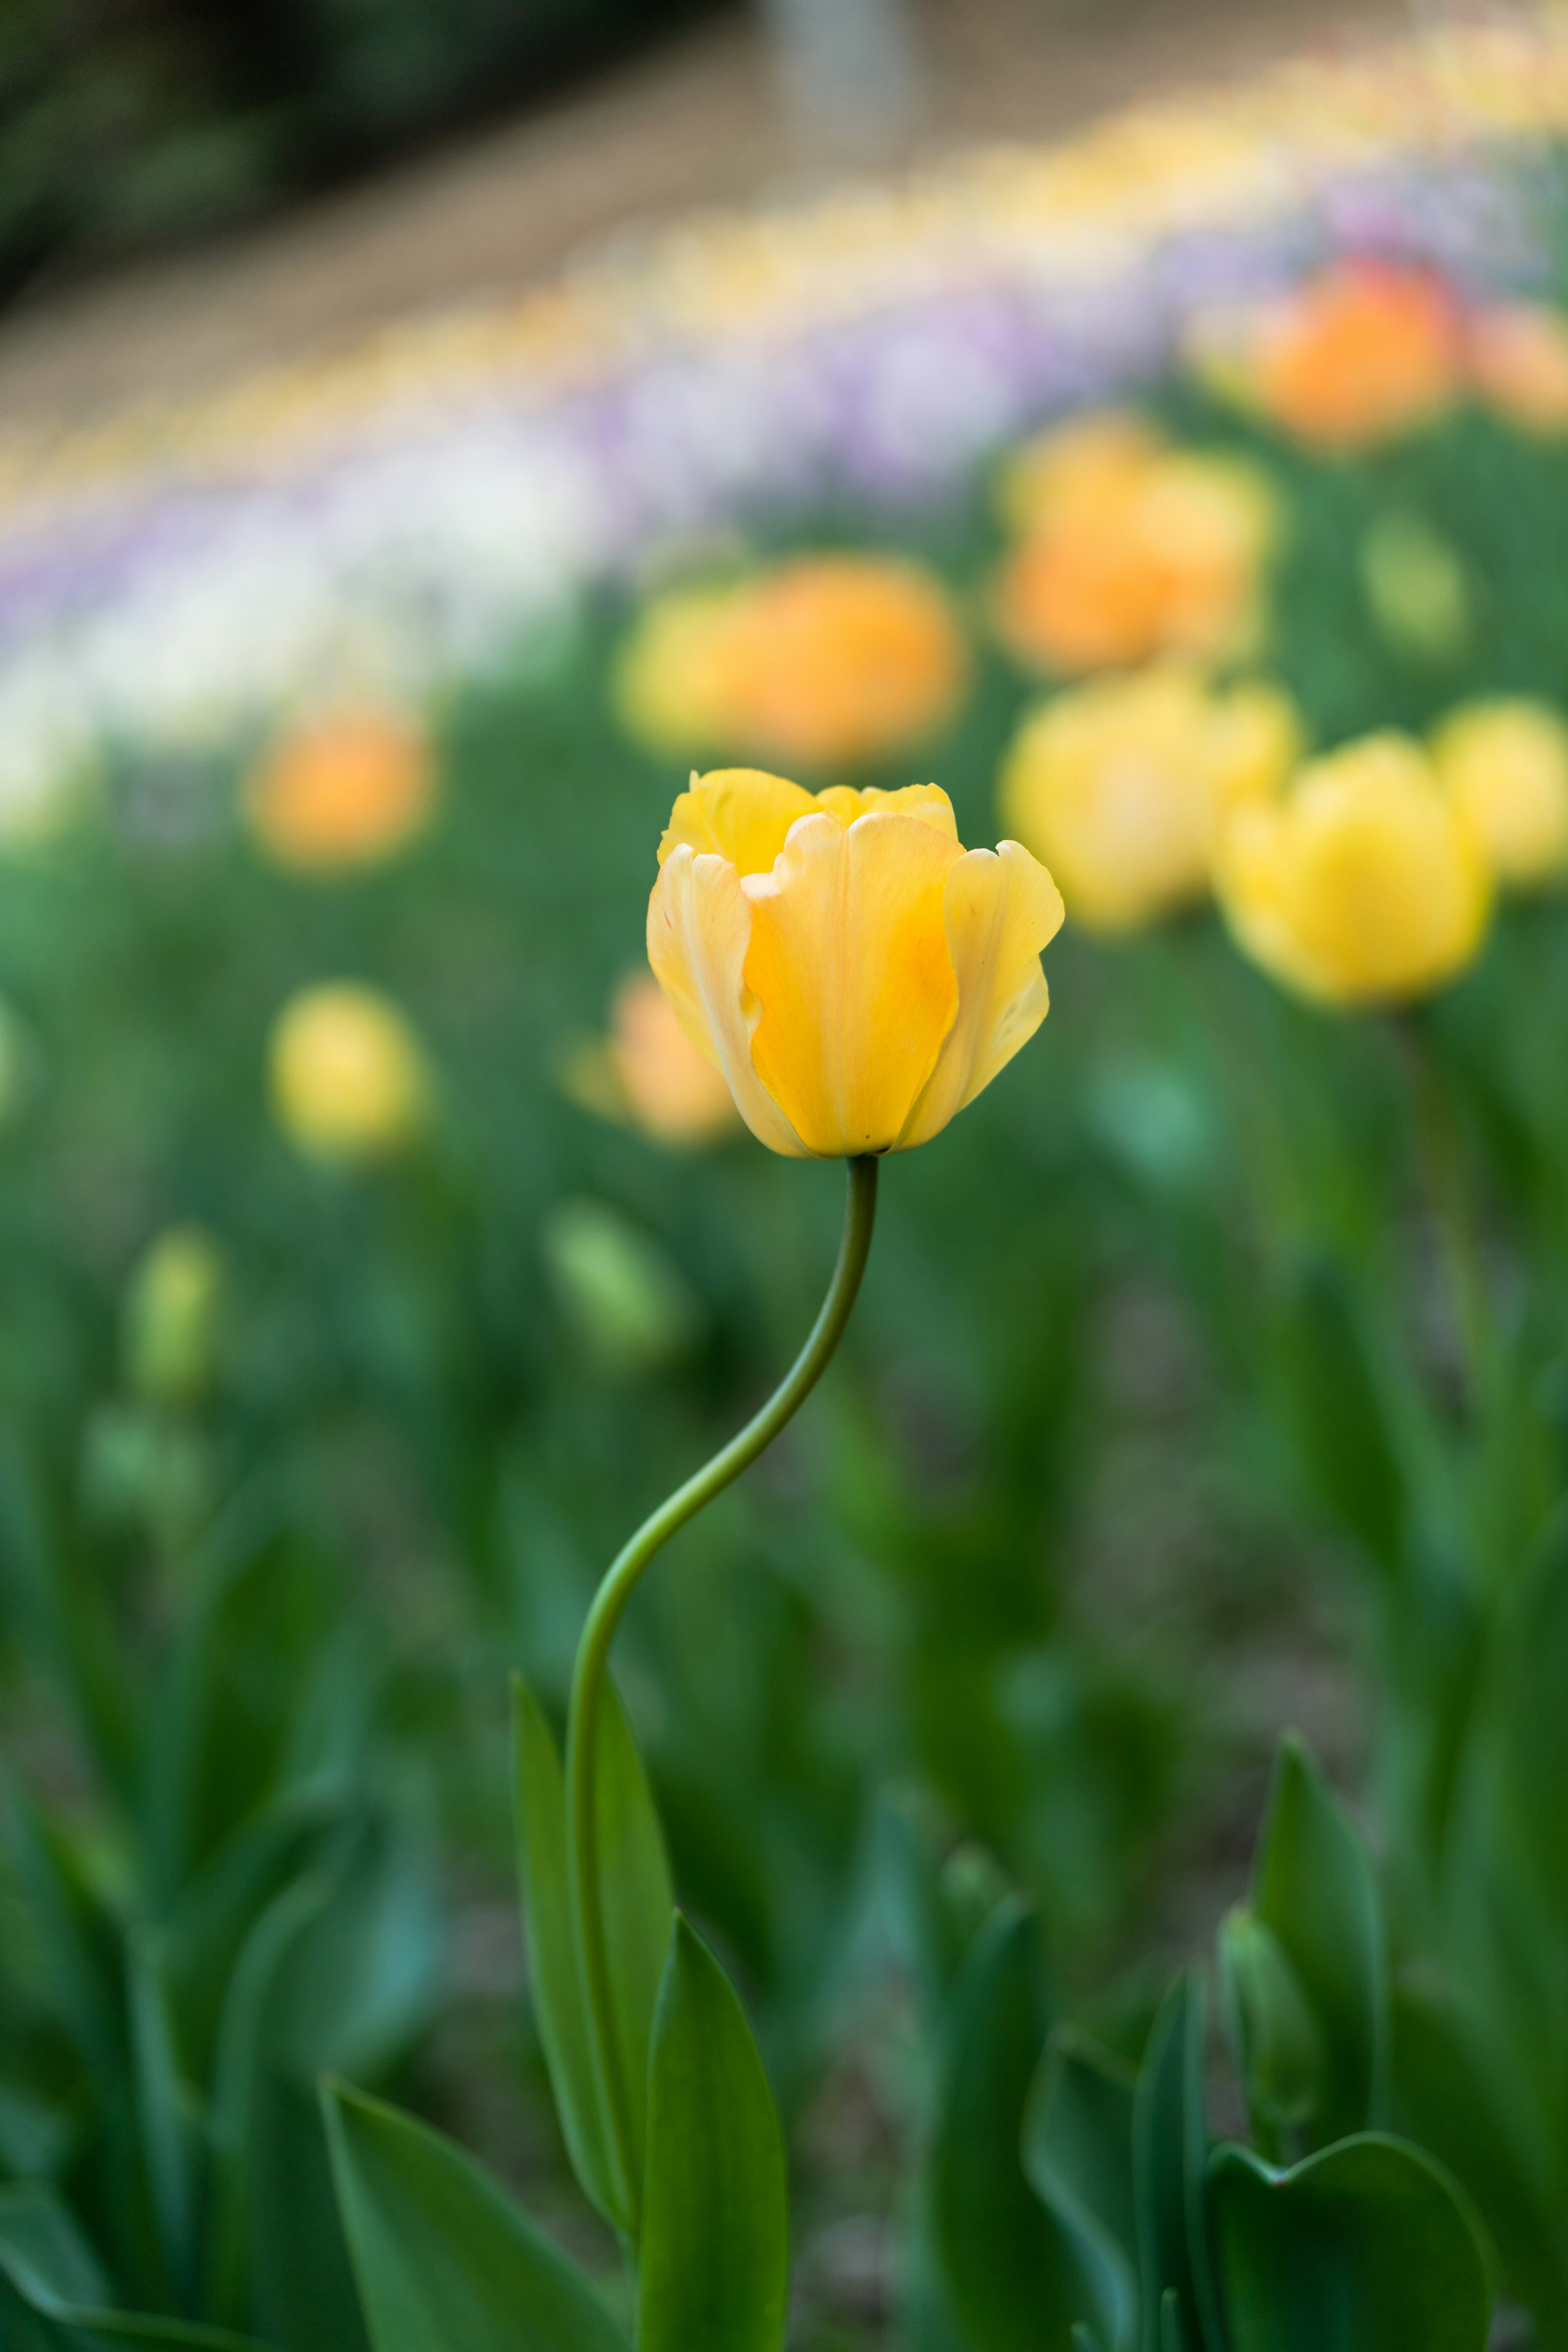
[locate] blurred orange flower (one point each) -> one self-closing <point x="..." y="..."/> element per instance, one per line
<point x="648" y="1073"/>
<point x="347" y="788"/>
<point x="1364" y="352"/>
<point x="1129" y="548"/>
<point x="1519" y="363"/>
<point x="824" y="660"/>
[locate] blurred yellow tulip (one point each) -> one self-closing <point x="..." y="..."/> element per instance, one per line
<point x="1505" y="763"/>
<point x="829" y="660"/>
<point x="857" y="974"/>
<point x="1129" y="548"/>
<point x="349" y="1081"/>
<point x="648" y="1073"/>
<point x="349" y="788"/>
<point x="1120" y="785"/>
<point x="1365" y="886"/>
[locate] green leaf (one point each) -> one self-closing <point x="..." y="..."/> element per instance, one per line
<point x="1368" y="2246"/>
<point x="1273" y="2035"/>
<point x="541" y="1818"/>
<point x="1170" y="2152"/>
<point x="714" y="2254"/>
<point x="167" y="2111"/>
<point x="445" y="2261"/>
<point x="237" y="2078"/>
<point x="53" y="2296"/>
<point x="1313" y="1887"/>
<point x="1456" y="2104"/>
<point x="1004" y="2265"/>
<point x="1077" y="2153"/>
<point x="638" y="1900"/>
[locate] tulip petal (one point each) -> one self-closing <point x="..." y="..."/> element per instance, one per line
<point x="1000" y="909"/>
<point x="740" y="814"/>
<point x="699" y="930"/>
<point x="849" y="959"/>
<point x="926" y="801"/>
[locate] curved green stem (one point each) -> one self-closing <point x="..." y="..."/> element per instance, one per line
<point x="599" y="1632"/>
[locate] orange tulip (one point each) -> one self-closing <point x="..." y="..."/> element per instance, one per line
<point x="826" y="660"/>
<point x="346" y="789"/>
<point x="1361" y="354"/>
<point x="1130" y="548"/>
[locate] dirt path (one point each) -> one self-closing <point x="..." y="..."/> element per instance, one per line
<point x="704" y="123"/>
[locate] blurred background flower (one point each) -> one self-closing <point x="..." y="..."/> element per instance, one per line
<point x="1361" y="353"/>
<point x="648" y="1073"/>
<point x="823" y="661"/>
<point x="1505" y="763"/>
<point x="1363" y="884"/>
<point x="348" y="1077"/>
<point x="343" y="789"/>
<point x="1122" y="786"/>
<point x="1128" y="548"/>
<point x="1518" y="359"/>
<point x="172" y="1317"/>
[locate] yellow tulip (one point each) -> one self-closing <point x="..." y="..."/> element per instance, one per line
<point x="349" y="788"/>
<point x="349" y="1081"/>
<point x="1506" y="765"/>
<point x="1365" y="885"/>
<point x="1120" y="786"/>
<point x="830" y="660"/>
<point x="649" y="1074"/>
<point x="857" y="974"/>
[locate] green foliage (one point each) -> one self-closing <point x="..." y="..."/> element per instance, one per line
<point x="714" y="2251"/>
<point x="445" y="2261"/>
<point x="1315" y="1892"/>
<point x="1003" y="2272"/>
<point x="1366" y="2245"/>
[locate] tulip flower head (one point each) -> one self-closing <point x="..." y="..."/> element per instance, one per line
<point x="829" y="660"/>
<point x="1365" y="885"/>
<point x="1121" y="785"/>
<point x="1363" y="352"/>
<point x="1128" y="548"/>
<point x="857" y="974"/>
<point x="343" y="789"/>
<point x="1505" y="765"/>
<point x="349" y="1081"/>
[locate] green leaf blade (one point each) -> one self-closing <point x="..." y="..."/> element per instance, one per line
<point x="444" y="2260"/>
<point x="545" y="1886"/>
<point x="1365" y="2247"/>
<point x="715" y="2240"/>
<point x="1004" y="2265"/>
<point x="638" y="1903"/>
<point x="1314" y="1888"/>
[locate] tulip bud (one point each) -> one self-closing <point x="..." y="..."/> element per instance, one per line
<point x="349" y="1080"/>
<point x="172" y="1317"/>
<point x="628" y="1303"/>
<point x="1415" y="585"/>
<point x="1273" y="2033"/>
